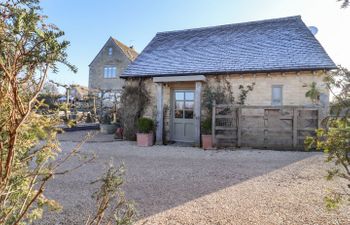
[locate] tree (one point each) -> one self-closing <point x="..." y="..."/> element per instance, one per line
<point x="29" y="48"/>
<point x="334" y="139"/>
<point x="50" y="88"/>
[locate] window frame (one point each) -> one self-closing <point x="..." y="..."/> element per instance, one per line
<point x="272" y="95"/>
<point x="110" y="51"/>
<point x="110" y="72"/>
<point x="184" y="100"/>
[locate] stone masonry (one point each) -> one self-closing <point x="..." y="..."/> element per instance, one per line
<point x="121" y="57"/>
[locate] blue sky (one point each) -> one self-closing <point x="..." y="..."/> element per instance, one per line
<point x="89" y="23"/>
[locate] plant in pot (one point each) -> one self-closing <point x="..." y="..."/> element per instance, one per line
<point x="145" y="128"/>
<point x="207" y="140"/>
<point x="106" y="125"/>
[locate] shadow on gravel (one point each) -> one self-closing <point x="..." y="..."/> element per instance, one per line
<point x="160" y="177"/>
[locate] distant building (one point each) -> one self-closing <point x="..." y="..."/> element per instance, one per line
<point x="109" y="64"/>
<point x="79" y="92"/>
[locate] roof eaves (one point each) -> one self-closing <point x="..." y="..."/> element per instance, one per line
<point x="231" y="72"/>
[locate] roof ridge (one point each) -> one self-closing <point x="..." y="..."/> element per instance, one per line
<point x="232" y="24"/>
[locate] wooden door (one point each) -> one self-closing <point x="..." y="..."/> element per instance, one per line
<point x="183" y="116"/>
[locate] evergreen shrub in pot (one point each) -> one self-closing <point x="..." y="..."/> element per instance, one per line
<point x="145" y="128"/>
<point x="207" y="140"/>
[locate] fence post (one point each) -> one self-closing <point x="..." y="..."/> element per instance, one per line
<point x="319" y="118"/>
<point x="213" y="123"/>
<point x="295" y="128"/>
<point x="239" y="126"/>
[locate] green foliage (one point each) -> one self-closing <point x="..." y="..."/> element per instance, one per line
<point x="244" y="92"/>
<point x="134" y="101"/>
<point x="206" y="126"/>
<point x="106" y="119"/>
<point x="333" y="140"/>
<point x="145" y="125"/>
<point x="313" y="93"/>
<point x="110" y="198"/>
<point x="89" y="118"/>
<point x="29" y="48"/>
<point x="220" y="91"/>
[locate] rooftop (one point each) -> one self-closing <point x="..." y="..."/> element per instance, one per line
<point x="283" y="44"/>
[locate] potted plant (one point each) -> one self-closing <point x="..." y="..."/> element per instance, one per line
<point x="207" y="140"/>
<point x="145" y="128"/>
<point x="106" y="125"/>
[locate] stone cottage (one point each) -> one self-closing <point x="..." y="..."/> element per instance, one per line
<point x="106" y="68"/>
<point x="281" y="56"/>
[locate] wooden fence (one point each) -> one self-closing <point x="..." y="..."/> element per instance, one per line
<point x="282" y="127"/>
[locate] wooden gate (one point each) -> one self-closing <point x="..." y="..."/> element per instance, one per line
<point x="284" y="127"/>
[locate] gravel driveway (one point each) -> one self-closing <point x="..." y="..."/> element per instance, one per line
<point x="184" y="185"/>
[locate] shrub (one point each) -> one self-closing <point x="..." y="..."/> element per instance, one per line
<point x="145" y="125"/>
<point x="206" y="126"/>
<point x="106" y="119"/>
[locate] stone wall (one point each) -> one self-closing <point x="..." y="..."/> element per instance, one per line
<point x="96" y="71"/>
<point x="295" y="85"/>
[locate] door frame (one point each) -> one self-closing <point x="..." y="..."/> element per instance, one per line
<point x="172" y="109"/>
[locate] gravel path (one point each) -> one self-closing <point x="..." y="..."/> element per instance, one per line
<point x="183" y="185"/>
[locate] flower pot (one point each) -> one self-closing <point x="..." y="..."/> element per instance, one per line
<point x="144" y="140"/>
<point x="207" y="141"/>
<point x="107" y="128"/>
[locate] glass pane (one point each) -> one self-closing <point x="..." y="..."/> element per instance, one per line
<point x="179" y="105"/>
<point x="114" y="71"/>
<point x="179" y="114"/>
<point x="189" y="104"/>
<point x="276" y="93"/>
<point x="179" y="96"/>
<point x="105" y="72"/>
<point x="188" y="114"/>
<point x="189" y="96"/>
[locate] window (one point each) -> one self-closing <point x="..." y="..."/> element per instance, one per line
<point x="277" y="95"/>
<point x="184" y="104"/>
<point x="110" y="72"/>
<point x="110" y="51"/>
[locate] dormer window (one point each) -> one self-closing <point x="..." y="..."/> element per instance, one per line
<point x="110" y="51"/>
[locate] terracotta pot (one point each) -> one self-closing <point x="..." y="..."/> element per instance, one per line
<point x="207" y="141"/>
<point x="144" y="140"/>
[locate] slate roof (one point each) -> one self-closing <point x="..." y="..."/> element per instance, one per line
<point x="283" y="44"/>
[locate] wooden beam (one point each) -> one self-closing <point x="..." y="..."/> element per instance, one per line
<point x="213" y="123"/>
<point x="295" y="128"/>
<point x="197" y="113"/>
<point x="160" y="115"/>
<point x="239" y="126"/>
<point x="178" y="79"/>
